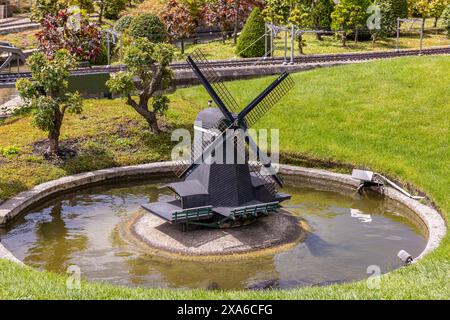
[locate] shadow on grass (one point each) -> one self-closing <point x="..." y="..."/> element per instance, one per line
<point x="90" y="158"/>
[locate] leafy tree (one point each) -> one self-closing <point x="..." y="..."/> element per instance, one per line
<point x="178" y="20"/>
<point x="251" y="41"/>
<point x="110" y="9"/>
<point x="195" y="8"/>
<point x="86" y="5"/>
<point x="47" y="93"/>
<point x="349" y="15"/>
<point x="80" y="37"/>
<point x="148" y="74"/>
<point x="123" y="23"/>
<point x="43" y="8"/>
<point x="277" y="11"/>
<point x="419" y="8"/>
<point x="446" y="20"/>
<point x="228" y="14"/>
<point x="390" y="10"/>
<point x="437" y="7"/>
<point x="148" y="26"/>
<point x="321" y="15"/>
<point x="113" y="8"/>
<point x="301" y="17"/>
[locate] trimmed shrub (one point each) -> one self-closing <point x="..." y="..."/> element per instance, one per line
<point x="148" y="26"/>
<point x="123" y="23"/>
<point x="251" y="41"/>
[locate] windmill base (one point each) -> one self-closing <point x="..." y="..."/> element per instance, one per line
<point x="275" y="232"/>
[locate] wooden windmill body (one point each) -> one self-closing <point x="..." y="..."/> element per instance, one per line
<point x="221" y="187"/>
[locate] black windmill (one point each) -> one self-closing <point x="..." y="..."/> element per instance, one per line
<point x="224" y="193"/>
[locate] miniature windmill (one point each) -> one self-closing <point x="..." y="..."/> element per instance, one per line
<point x="220" y="193"/>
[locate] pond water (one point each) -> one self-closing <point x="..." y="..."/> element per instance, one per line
<point x="348" y="235"/>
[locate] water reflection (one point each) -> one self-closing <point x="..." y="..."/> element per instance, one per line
<point x="54" y="242"/>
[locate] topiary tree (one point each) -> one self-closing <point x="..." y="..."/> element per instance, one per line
<point x="82" y="39"/>
<point x="43" y="8"/>
<point x="251" y="41"/>
<point x="148" y="26"/>
<point x="47" y="93"/>
<point x="321" y="15"/>
<point x="178" y="20"/>
<point x="148" y="74"/>
<point x="446" y="20"/>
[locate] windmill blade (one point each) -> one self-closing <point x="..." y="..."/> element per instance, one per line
<point x="224" y="100"/>
<point x="266" y="164"/>
<point x="203" y="69"/>
<point x="259" y="169"/>
<point x="266" y="100"/>
<point x="201" y="149"/>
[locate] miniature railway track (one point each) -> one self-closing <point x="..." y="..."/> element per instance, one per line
<point x="10" y="78"/>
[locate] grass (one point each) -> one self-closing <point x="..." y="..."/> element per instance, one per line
<point x="390" y="116"/>
<point x="24" y="40"/>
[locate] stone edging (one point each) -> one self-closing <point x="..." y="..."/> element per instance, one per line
<point x="14" y="206"/>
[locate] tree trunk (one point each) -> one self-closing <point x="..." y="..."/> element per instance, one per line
<point x="317" y="27"/>
<point x="435" y="22"/>
<point x="142" y="109"/>
<point x="300" y="43"/>
<point x="236" y="21"/>
<point x="356" y="35"/>
<point x="100" y="15"/>
<point x="344" y="39"/>
<point x="53" y="135"/>
<point x="153" y="122"/>
<point x="182" y="45"/>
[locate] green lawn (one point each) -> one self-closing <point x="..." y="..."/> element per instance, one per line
<point x="391" y="116"/>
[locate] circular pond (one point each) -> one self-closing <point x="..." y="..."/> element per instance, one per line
<point x="346" y="237"/>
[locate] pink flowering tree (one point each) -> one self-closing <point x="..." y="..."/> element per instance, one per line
<point x="178" y="20"/>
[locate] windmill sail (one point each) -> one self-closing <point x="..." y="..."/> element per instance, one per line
<point x="267" y="99"/>
<point x="200" y="149"/>
<point x="214" y="80"/>
<point x="255" y="111"/>
<point x="224" y="100"/>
